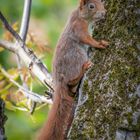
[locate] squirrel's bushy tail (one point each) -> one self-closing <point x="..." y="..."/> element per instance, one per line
<point x="59" y="116"/>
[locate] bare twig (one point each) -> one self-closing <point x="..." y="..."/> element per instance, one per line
<point x="28" y="94"/>
<point x="7" y="45"/>
<point x="30" y="59"/>
<point x="25" y="19"/>
<point x="11" y="30"/>
<point x="23" y="33"/>
<point x="36" y="69"/>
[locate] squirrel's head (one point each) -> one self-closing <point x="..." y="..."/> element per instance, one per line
<point x="92" y="10"/>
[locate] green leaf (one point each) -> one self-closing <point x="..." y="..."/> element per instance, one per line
<point x="1" y="49"/>
<point x="5" y="89"/>
<point x="10" y="106"/>
<point x="13" y="72"/>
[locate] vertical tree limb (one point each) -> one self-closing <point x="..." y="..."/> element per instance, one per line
<point x="25" y="19"/>
<point x="3" y="118"/>
<point x="112" y="109"/>
<point x="23" y="32"/>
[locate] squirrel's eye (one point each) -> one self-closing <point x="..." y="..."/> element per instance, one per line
<point x="91" y="6"/>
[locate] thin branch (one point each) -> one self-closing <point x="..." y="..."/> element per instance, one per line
<point x="11" y="30"/>
<point x="23" y="33"/>
<point x="28" y="94"/>
<point x="36" y="69"/>
<point x="7" y="45"/>
<point x="30" y="59"/>
<point x="25" y="19"/>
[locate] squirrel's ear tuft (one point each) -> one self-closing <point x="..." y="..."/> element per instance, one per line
<point x="82" y="3"/>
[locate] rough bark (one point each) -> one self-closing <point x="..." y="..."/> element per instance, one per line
<point x="111" y="88"/>
<point x="3" y="118"/>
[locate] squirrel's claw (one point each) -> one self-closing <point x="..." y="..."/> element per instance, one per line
<point x="104" y="43"/>
<point x="87" y="65"/>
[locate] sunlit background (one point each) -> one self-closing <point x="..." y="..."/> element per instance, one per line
<point x="48" y="18"/>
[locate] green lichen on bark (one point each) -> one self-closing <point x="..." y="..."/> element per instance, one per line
<point x="113" y="84"/>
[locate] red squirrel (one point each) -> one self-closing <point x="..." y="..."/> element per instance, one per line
<point x="69" y="65"/>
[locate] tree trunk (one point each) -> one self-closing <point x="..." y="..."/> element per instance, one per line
<point x="109" y="104"/>
<point x="3" y="118"/>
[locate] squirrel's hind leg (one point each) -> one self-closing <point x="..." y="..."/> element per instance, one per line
<point x="73" y="84"/>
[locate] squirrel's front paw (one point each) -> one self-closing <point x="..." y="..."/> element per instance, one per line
<point x="103" y="44"/>
<point x="87" y="65"/>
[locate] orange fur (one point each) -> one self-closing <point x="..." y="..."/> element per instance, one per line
<point x="69" y="65"/>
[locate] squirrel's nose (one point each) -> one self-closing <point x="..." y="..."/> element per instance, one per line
<point x="103" y="14"/>
<point x="100" y="14"/>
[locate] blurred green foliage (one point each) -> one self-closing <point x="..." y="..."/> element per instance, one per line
<point x="52" y="16"/>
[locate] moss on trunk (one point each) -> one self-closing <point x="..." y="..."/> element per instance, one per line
<point x="113" y="84"/>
